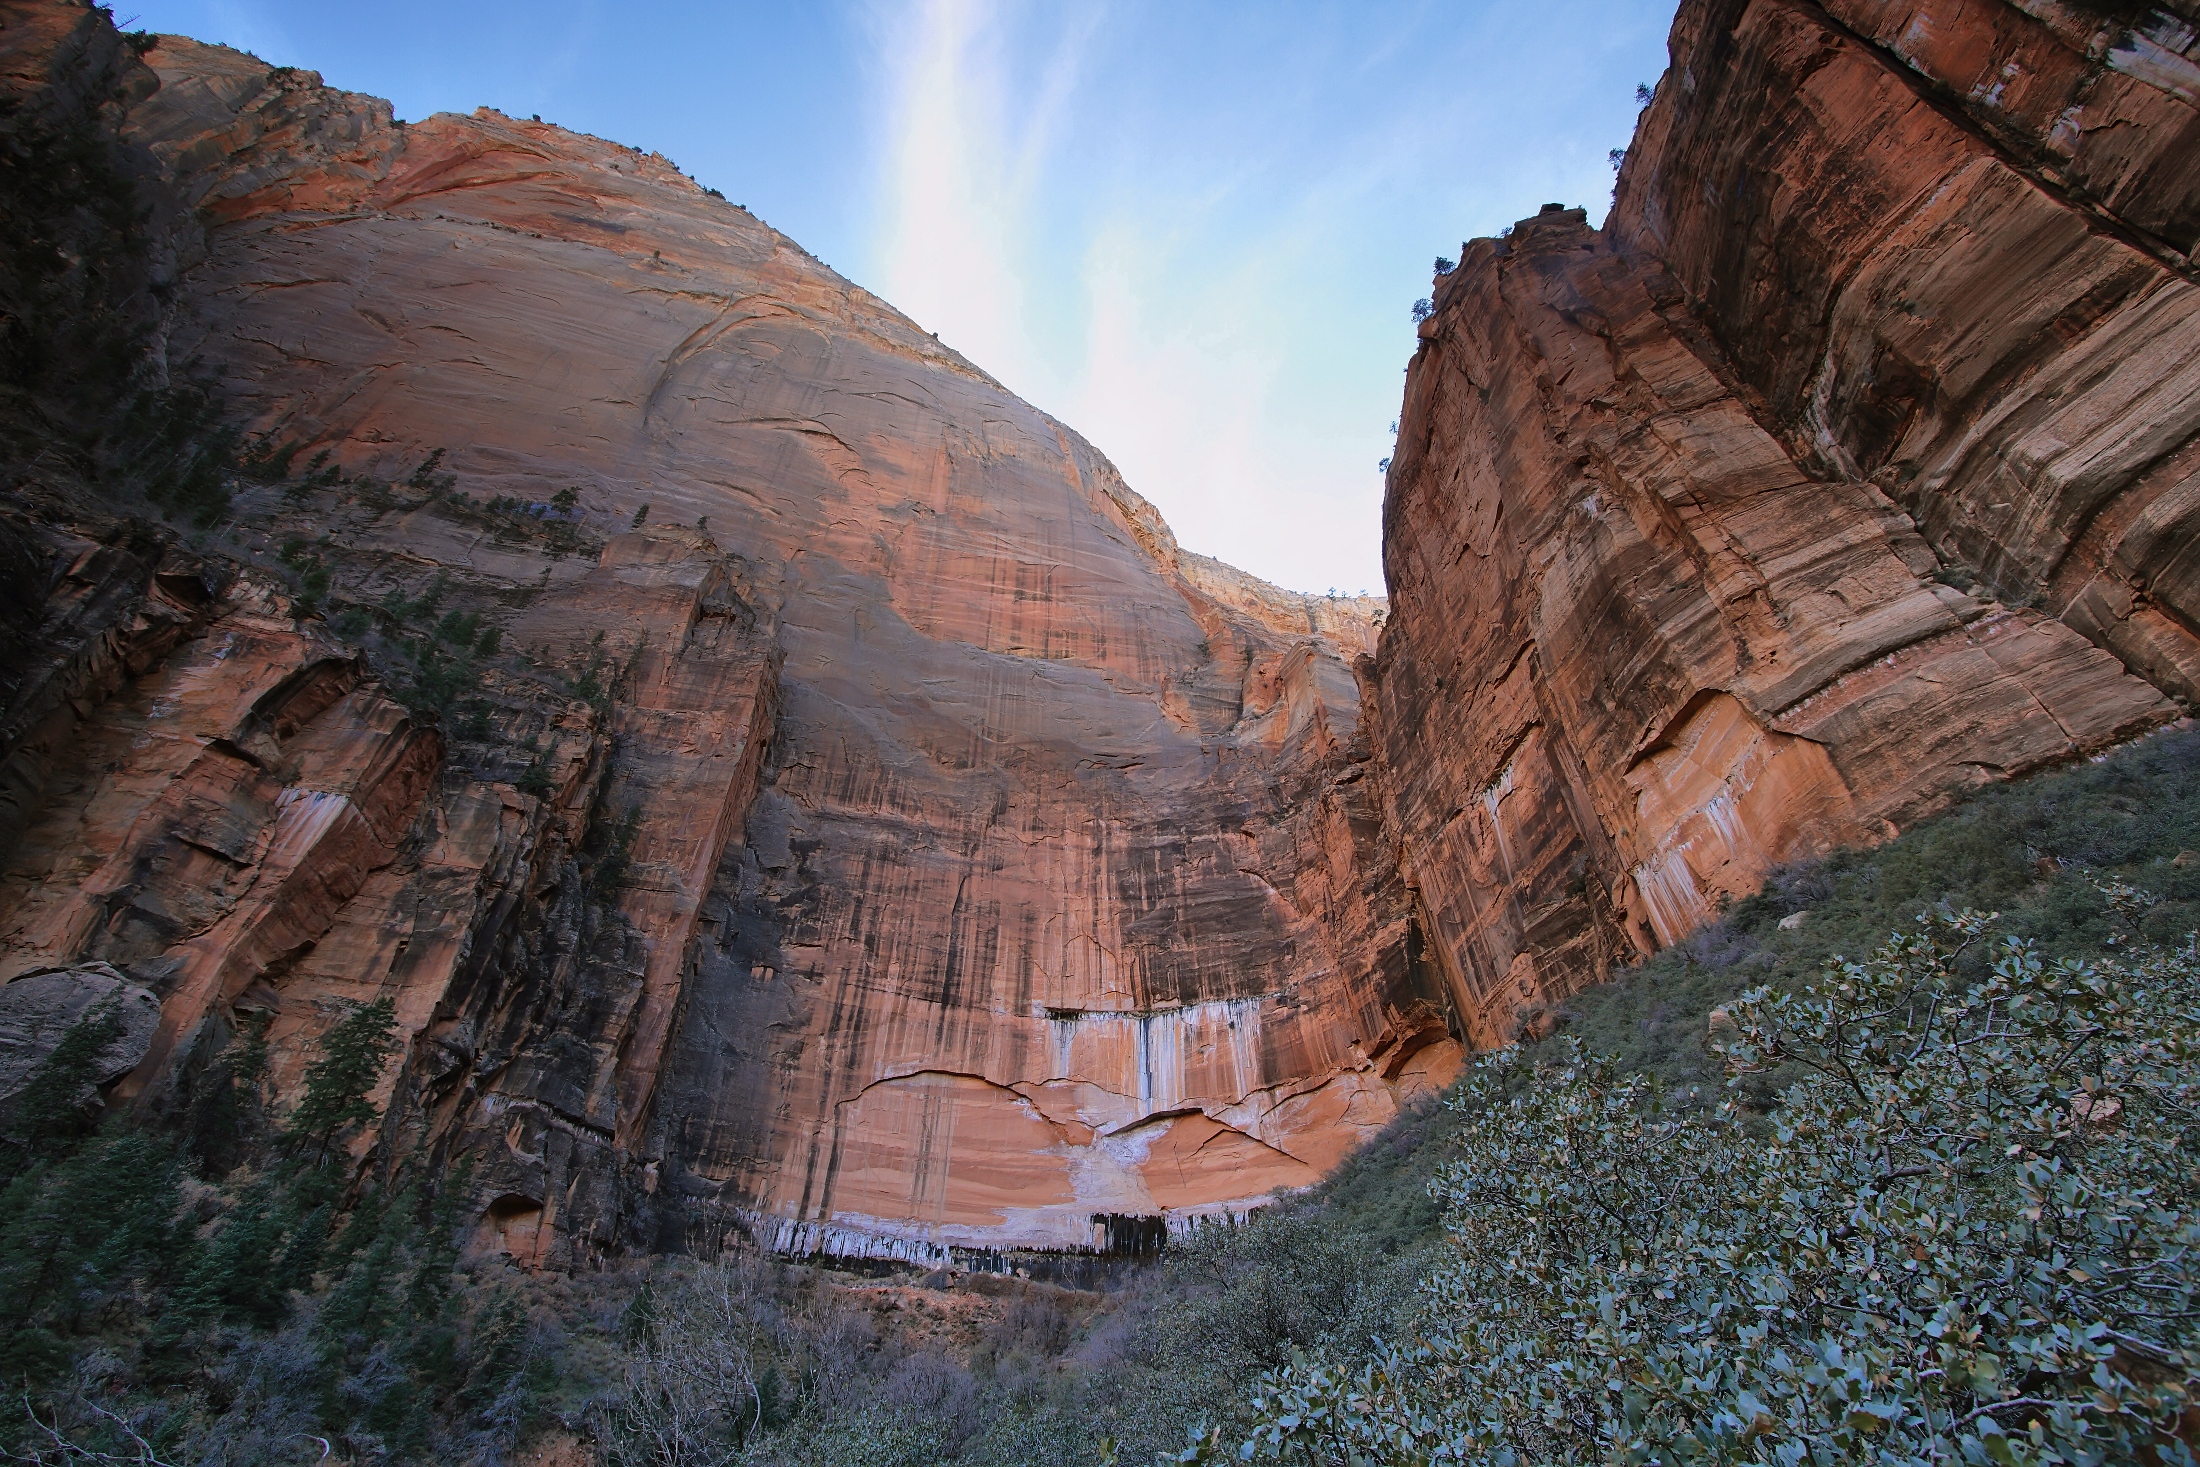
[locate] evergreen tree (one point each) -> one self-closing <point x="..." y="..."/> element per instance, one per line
<point x="338" y="1081"/>
<point x="241" y="1272"/>
<point x="432" y="1307"/>
<point x="77" y="1236"/>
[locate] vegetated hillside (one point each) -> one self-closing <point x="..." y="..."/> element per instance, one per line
<point x="186" y="1278"/>
<point x="2035" y="851"/>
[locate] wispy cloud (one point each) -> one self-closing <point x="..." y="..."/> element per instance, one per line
<point x="1123" y="310"/>
<point x="1194" y="236"/>
<point x="969" y="158"/>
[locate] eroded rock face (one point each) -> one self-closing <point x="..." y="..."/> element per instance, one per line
<point x="785" y="783"/>
<point x="871" y="829"/>
<point x="1854" y="463"/>
<point x="1952" y="256"/>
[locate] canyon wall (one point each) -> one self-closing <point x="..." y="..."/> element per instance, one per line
<point x="782" y="780"/>
<point x="784" y="783"/>
<point x="1853" y="463"/>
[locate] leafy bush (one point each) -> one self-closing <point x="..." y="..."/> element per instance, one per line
<point x="1965" y="1239"/>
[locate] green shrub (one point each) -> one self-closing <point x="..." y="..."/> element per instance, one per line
<point x="1965" y="1239"/>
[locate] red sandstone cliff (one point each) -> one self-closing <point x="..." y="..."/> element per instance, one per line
<point x="1855" y="462"/>
<point x="891" y="840"/>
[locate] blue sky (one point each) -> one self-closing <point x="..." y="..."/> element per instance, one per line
<point x="1192" y="231"/>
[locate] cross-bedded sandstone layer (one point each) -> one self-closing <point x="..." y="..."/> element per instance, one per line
<point x="1854" y="463"/>
<point x="869" y="829"/>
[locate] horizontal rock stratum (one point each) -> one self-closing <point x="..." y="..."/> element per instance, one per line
<point x="785" y="783"/>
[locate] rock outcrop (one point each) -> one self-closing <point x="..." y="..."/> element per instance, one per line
<point x="782" y="780"/>
<point x="1853" y="463"/>
<point x="38" y="1010"/>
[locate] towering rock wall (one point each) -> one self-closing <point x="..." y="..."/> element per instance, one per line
<point x="1855" y="462"/>
<point x="864" y="824"/>
<point x="781" y="781"/>
<point x="1952" y="256"/>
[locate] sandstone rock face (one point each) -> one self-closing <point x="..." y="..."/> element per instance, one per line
<point x="785" y="783"/>
<point x="1854" y="464"/>
<point x="1949" y="248"/>
<point x="867" y="828"/>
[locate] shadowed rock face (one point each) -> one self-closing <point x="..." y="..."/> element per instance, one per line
<point x="919" y="850"/>
<point x="38" y="1010"/>
<point x="1853" y="464"/>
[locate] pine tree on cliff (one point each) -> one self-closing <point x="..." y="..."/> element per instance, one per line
<point x="338" y="1081"/>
